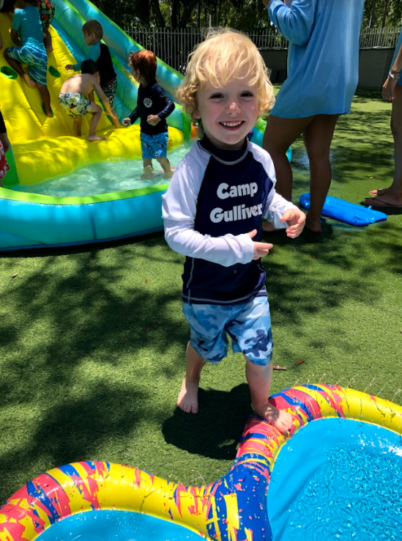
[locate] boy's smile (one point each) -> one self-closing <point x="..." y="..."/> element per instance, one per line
<point x="228" y="113"/>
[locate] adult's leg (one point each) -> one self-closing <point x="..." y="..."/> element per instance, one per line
<point x="279" y="134"/>
<point x="188" y="395"/>
<point x="317" y="138"/>
<point x="393" y="194"/>
<point x="18" y="68"/>
<point x="44" y="94"/>
<point x="259" y="381"/>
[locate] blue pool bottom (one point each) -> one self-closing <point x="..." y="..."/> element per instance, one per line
<point x="116" y="526"/>
<point x="338" y="479"/>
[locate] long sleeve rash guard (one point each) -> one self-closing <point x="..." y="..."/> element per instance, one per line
<point x="152" y="100"/>
<point x="216" y="197"/>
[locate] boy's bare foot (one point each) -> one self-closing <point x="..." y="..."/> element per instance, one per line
<point x="92" y="138"/>
<point x="167" y="174"/>
<point x="30" y="82"/>
<point x="282" y="420"/>
<point x="188" y="396"/>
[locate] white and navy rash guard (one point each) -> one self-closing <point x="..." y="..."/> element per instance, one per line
<point x="215" y="198"/>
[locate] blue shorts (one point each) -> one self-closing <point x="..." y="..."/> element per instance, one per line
<point x="248" y="324"/>
<point x="34" y="55"/>
<point x="154" y="146"/>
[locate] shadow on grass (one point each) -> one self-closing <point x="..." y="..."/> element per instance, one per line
<point x="75" y="316"/>
<point x="215" y="431"/>
<point x="74" y="429"/>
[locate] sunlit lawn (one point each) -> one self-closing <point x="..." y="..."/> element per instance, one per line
<point x="93" y="340"/>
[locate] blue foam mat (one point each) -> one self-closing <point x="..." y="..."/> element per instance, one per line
<point x="341" y="210"/>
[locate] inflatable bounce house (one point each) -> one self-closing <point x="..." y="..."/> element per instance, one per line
<point x="337" y="475"/>
<point x="44" y="148"/>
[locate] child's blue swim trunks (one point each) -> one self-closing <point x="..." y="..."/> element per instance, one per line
<point x="154" y="146"/>
<point x="248" y="324"/>
<point x="34" y="55"/>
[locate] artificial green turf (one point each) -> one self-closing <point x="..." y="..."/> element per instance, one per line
<point x="93" y="340"/>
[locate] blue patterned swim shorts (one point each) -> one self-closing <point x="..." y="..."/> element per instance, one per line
<point x="154" y="146"/>
<point x="248" y="324"/>
<point x="34" y="55"/>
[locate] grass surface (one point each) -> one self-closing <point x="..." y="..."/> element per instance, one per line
<point x="93" y="340"/>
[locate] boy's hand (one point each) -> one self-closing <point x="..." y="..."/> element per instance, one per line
<point x="69" y="67"/>
<point x="153" y="120"/>
<point x="126" y="122"/>
<point x="261" y="249"/>
<point x="295" y="219"/>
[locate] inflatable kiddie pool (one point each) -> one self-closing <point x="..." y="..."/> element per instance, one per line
<point x="337" y="476"/>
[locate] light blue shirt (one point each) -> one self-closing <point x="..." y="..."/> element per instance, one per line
<point x="323" y="58"/>
<point x="93" y="54"/>
<point x="28" y="23"/>
<point x="398" y="46"/>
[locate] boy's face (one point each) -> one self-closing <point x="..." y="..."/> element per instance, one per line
<point x="228" y="113"/>
<point x="89" y="39"/>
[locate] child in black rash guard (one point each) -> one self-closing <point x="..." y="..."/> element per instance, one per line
<point x="153" y="107"/>
<point x="213" y="212"/>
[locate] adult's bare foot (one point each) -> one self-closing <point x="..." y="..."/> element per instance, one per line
<point x="385" y="191"/>
<point x="30" y="82"/>
<point x="386" y="199"/>
<point x="92" y="138"/>
<point x="382" y="191"/>
<point x="188" y="396"/>
<point x="282" y="420"/>
<point x="313" y="226"/>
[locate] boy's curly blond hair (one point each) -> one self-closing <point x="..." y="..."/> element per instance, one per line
<point x="225" y="55"/>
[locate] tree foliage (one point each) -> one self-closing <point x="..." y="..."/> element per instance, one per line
<point x="244" y="15"/>
<point x="381" y="13"/>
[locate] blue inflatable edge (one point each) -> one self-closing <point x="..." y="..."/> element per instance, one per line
<point x="346" y="212"/>
<point x="40" y="246"/>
